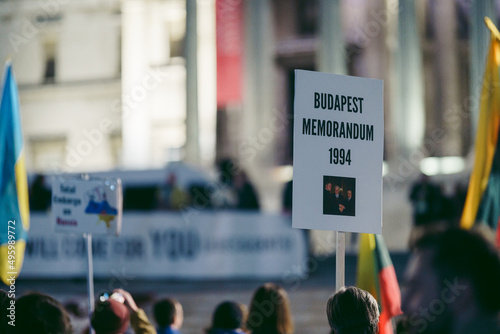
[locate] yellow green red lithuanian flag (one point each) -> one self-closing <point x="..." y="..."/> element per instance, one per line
<point x="14" y="208"/>
<point x="376" y="275"/>
<point x="482" y="204"/>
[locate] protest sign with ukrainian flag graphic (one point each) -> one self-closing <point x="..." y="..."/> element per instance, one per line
<point x="14" y="207"/>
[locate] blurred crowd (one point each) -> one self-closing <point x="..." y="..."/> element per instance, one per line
<point x="117" y="312"/>
<point x="431" y="203"/>
<point x="232" y="190"/>
<point x="451" y="285"/>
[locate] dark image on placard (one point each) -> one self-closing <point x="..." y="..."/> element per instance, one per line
<point x="339" y="196"/>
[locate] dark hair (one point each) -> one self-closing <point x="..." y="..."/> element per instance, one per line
<point x="165" y="312"/>
<point x="41" y="314"/>
<point x="227" y="315"/>
<point x="467" y="254"/>
<point x="352" y="311"/>
<point x="270" y="311"/>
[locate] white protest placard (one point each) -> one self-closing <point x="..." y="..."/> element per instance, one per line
<point x="87" y="206"/>
<point x="337" y="153"/>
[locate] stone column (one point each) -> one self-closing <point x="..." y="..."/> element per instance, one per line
<point x="257" y="143"/>
<point x="191" y="54"/>
<point x="135" y="114"/>
<point x="207" y="84"/>
<point x="408" y="115"/>
<point x="446" y="78"/>
<point x="331" y="57"/>
<point x="479" y="43"/>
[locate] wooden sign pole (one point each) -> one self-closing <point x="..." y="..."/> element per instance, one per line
<point x="90" y="277"/>
<point x="340" y="261"/>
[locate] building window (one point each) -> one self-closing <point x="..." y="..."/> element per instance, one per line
<point x="50" y="71"/>
<point x="308" y="11"/>
<point x="47" y="153"/>
<point x="176" y="26"/>
<point x="50" y="62"/>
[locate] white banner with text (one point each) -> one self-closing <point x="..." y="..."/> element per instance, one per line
<point x="168" y="245"/>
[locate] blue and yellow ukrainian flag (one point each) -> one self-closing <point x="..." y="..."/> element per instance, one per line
<point x="14" y="207"/>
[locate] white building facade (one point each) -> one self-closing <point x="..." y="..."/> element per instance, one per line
<point x="103" y="83"/>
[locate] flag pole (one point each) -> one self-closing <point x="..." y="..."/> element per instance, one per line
<point x="90" y="270"/>
<point x="492" y="27"/>
<point x="340" y="260"/>
<point x="90" y="278"/>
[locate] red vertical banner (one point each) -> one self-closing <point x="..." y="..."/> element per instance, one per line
<point x="229" y="30"/>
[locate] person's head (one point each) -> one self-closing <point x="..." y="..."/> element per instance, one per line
<point x="328" y="187"/>
<point x="337" y="190"/>
<point x="352" y="311"/>
<point x="453" y="276"/>
<point x="270" y="310"/>
<point x="39" y="180"/>
<point x="227" y="316"/>
<point x="168" y="312"/>
<point x="227" y="169"/>
<point x="40" y="313"/>
<point x="349" y="194"/>
<point x="110" y="317"/>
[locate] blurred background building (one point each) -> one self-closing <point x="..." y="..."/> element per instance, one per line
<point x="133" y="84"/>
<point x="162" y="92"/>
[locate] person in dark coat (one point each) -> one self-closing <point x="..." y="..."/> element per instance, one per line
<point x="350" y="204"/>
<point x="247" y="196"/>
<point x="328" y="199"/>
<point x="426" y="199"/>
<point x="288" y="197"/>
<point x="338" y="201"/>
<point x="39" y="195"/>
<point x="452" y="278"/>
